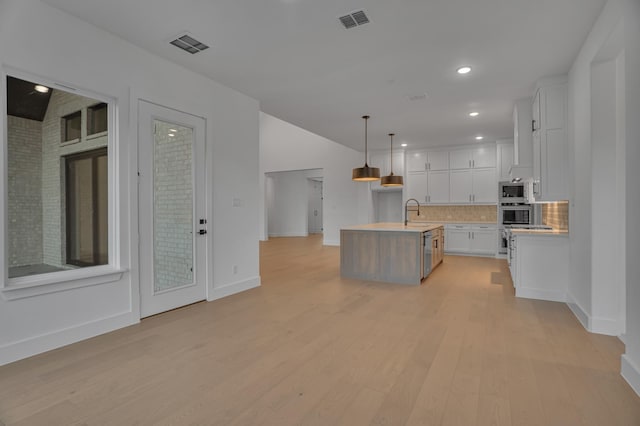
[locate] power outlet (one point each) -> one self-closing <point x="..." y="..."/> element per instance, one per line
<point x="235" y="269"/>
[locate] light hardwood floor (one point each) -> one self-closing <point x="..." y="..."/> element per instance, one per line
<point x="310" y="348"/>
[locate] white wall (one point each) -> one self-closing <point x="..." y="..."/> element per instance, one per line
<point x="43" y="41"/>
<point x="586" y="150"/>
<point x="288" y="203"/>
<point x="387" y="206"/>
<point x="284" y="147"/>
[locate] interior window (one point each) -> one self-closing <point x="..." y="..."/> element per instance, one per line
<point x="57" y="192"/>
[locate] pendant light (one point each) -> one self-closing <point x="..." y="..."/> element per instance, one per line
<point x="366" y="173"/>
<point x="391" y="180"/>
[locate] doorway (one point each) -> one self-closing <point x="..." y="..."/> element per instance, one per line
<point x="172" y="214"/>
<point x="315" y="205"/>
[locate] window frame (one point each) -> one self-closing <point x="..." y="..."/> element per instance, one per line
<point x="40" y="284"/>
<point x="91" y="119"/>
<point x="93" y="154"/>
<point x="65" y="119"/>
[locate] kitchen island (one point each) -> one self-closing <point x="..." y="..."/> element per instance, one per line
<point x="390" y="252"/>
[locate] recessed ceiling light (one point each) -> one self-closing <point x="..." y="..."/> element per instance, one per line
<point x="403" y="144"/>
<point x="171" y="135"/>
<point x="464" y="70"/>
<point x="42" y="89"/>
<point x="479" y="138"/>
<point x="172" y="130"/>
<point x="474" y="114"/>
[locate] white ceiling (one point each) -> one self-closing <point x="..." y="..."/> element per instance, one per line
<point x="295" y="57"/>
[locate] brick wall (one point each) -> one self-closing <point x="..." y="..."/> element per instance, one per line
<point x="173" y="206"/>
<point x="24" y="191"/>
<point x="61" y="104"/>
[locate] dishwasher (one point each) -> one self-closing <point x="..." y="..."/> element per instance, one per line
<point x="426" y="254"/>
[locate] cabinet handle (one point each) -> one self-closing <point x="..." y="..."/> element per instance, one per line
<point x="473" y="163"/>
<point x="533" y="125"/>
<point x="426" y="166"/>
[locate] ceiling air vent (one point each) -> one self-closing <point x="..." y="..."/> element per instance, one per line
<point x="354" y="19"/>
<point x="189" y="44"/>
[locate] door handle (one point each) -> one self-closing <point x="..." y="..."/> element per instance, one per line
<point x="202" y="231"/>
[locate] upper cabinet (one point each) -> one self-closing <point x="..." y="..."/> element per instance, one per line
<point x="462" y="175"/>
<point x="427" y="160"/>
<point x="416" y="161"/>
<point x="474" y="158"/>
<point x="550" y="141"/>
<point x="505" y="159"/>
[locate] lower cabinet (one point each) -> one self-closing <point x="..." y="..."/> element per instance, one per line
<point x="471" y="239"/>
<point x="539" y="266"/>
<point x="437" y="247"/>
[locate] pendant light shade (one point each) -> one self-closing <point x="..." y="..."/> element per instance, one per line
<point x="366" y="173"/>
<point x="391" y="180"/>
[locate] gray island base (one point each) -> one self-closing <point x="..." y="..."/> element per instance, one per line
<point x="388" y="252"/>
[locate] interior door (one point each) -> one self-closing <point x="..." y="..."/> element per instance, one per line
<point x="315" y="206"/>
<point x="172" y="209"/>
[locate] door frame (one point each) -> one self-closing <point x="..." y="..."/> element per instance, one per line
<point x="201" y="208"/>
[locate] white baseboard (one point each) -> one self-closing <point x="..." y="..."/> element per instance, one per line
<point x="605" y="326"/>
<point x="234" y="288"/>
<point x="623" y="338"/>
<point x="288" y="234"/>
<point x="581" y="314"/>
<point x="36" y="345"/>
<point x="335" y="243"/>
<point x="631" y="373"/>
<point x="534" y="293"/>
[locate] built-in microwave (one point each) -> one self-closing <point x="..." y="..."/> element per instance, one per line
<point x="516" y="215"/>
<point x="511" y="192"/>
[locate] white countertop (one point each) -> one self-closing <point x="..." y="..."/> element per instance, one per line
<point x="394" y="226"/>
<point x="540" y="232"/>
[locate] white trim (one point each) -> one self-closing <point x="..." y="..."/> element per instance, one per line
<point x="34" y="285"/>
<point x="623" y="338"/>
<point x="631" y="373"/>
<point x="15" y="351"/>
<point x="335" y="243"/>
<point x="534" y="293"/>
<point x="579" y="312"/>
<point x="233" y="288"/>
<point x="53" y="282"/>
<point x="606" y="326"/>
<point x="288" y="234"/>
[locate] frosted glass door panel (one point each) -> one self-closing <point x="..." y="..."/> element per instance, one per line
<point x="172" y="206"/>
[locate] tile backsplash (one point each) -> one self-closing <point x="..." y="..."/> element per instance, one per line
<point x="477" y="214"/>
<point x="556" y="215"/>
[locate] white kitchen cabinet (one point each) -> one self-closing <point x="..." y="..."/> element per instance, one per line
<point x="473" y="186"/>
<point x="438" y="187"/>
<point x="457" y="238"/>
<point x="539" y="266"/>
<point x="471" y="239"/>
<point x="550" y="141"/>
<point x="505" y="151"/>
<point x="437" y="160"/>
<point x="480" y="157"/>
<point x="484" y="186"/>
<point x="416" y="186"/>
<point x="427" y="160"/>
<point x="460" y="159"/>
<point x="416" y="161"/>
<point x="461" y="187"/>
<point x="483" y="240"/>
<point x="428" y="187"/>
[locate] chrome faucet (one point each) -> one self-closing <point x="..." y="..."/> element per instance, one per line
<point x="406" y="216"/>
